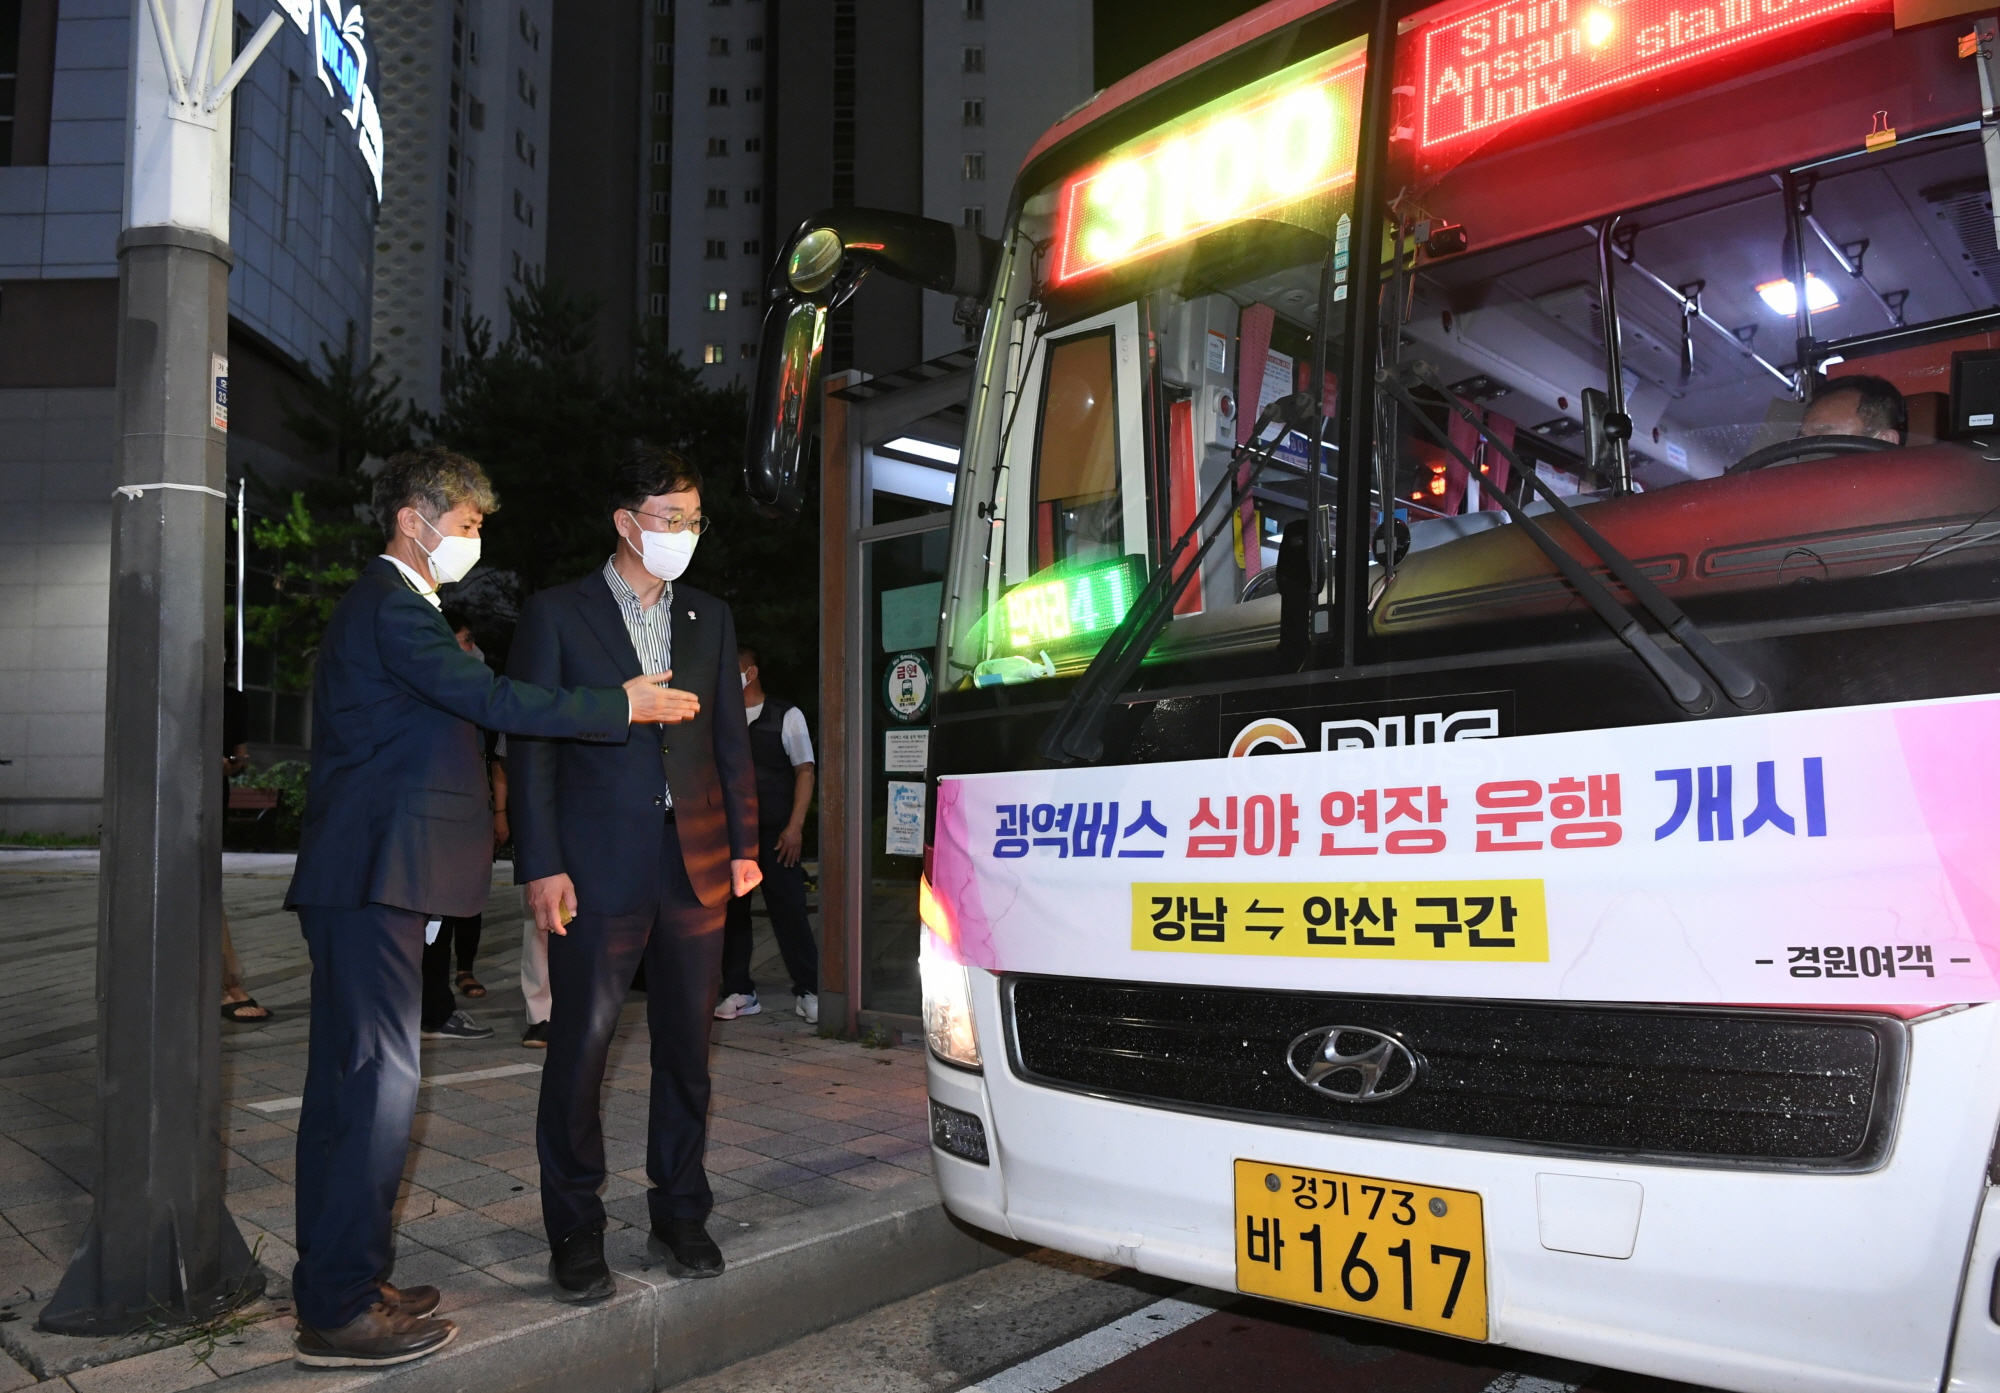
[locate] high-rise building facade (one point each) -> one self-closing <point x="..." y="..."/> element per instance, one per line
<point x="465" y="95"/>
<point x="997" y="74"/>
<point x="305" y="156"/>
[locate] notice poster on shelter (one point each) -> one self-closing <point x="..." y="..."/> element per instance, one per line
<point x="1837" y="856"/>
<point x="905" y="834"/>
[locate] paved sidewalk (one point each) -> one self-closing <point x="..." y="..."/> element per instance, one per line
<point x="799" y="1124"/>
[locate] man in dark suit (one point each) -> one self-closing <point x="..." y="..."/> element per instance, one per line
<point x="630" y="854"/>
<point x="397" y="835"/>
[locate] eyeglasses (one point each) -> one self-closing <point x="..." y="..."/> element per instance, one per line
<point x="674" y="522"/>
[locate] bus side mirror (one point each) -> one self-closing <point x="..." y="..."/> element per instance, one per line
<point x="780" y="416"/>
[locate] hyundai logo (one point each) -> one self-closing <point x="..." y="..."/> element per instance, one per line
<point x="1352" y="1063"/>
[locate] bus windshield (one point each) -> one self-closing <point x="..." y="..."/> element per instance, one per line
<point x="1156" y="296"/>
<point x="1156" y="300"/>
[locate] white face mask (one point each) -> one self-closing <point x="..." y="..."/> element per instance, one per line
<point x="452" y="558"/>
<point x="666" y="554"/>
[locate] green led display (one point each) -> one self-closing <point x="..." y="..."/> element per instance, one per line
<point x="1054" y="610"/>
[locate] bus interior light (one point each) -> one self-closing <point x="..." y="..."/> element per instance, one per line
<point x="923" y="449"/>
<point x="1783" y="297"/>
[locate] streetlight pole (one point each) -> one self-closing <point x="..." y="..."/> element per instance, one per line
<point x="161" y="1245"/>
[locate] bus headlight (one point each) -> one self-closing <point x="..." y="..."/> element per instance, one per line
<point x="948" y="1024"/>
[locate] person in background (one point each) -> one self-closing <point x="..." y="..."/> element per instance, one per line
<point x="781" y="749"/>
<point x="396" y="836"/>
<point x="630" y="854"/>
<point x="442" y="1020"/>
<point x="238" y="1006"/>
<point x="1859" y="405"/>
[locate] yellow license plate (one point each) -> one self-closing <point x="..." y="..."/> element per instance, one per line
<point x="1412" y="1254"/>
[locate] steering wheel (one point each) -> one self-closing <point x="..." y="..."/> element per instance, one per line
<point x="1806" y="446"/>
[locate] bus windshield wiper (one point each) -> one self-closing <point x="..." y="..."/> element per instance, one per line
<point x="1077" y="734"/>
<point x="1688" y="691"/>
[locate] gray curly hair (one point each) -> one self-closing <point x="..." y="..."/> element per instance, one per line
<point x="432" y="480"/>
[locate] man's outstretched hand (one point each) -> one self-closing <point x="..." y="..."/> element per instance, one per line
<point x="655" y="703"/>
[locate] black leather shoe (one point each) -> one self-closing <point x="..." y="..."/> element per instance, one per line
<point x="378" y="1336"/>
<point x="577" y="1267"/>
<point x="687" y="1248"/>
<point x="409" y="1301"/>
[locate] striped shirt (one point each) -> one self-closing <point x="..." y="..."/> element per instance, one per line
<point x="651" y="630"/>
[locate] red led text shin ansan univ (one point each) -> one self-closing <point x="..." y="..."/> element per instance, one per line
<point x="1485" y="68"/>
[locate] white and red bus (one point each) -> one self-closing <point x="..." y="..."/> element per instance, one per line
<point x="1466" y="765"/>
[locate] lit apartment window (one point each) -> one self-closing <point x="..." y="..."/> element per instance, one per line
<point x="753" y="195"/>
<point x="975" y="112"/>
<point x="975" y="9"/>
<point x="659" y="152"/>
<point x="523" y="86"/>
<point x="752" y="144"/>
<point x="718" y="301"/>
<point x="718" y="96"/>
<point x="975" y="58"/>
<point x="753" y="94"/>
<point x="718" y="145"/>
<point x="753" y="247"/>
<point x="656" y="305"/>
<point x="659" y="203"/>
<point x="718" y="47"/>
<point x="713" y="353"/>
<point x="975" y="216"/>
<point x="715" y="249"/>
<point x="718" y="198"/>
<point x="659" y="253"/>
<point x="975" y="165"/>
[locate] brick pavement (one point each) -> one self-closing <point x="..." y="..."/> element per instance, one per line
<point x="797" y="1122"/>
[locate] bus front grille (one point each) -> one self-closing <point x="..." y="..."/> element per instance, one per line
<point x="1711" y="1086"/>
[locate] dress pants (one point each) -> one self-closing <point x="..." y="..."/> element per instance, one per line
<point x="784" y="890"/>
<point x="590" y="971"/>
<point x="361" y="1095"/>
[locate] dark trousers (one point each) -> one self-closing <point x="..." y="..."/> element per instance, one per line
<point x="590" y="970"/>
<point x="440" y="999"/>
<point x="360" y="1097"/>
<point x="785" y="901"/>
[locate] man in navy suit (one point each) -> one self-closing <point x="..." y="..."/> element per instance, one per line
<point x="630" y="854"/>
<point x="398" y="835"/>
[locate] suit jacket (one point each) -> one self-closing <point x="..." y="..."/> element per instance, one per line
<point x="593" y="811"/>
<point x="397" y="809"/>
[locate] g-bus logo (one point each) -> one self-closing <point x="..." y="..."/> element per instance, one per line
<point x="1269" y="734"/>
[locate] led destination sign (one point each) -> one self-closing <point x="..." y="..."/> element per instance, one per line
<point x="1253" y="152"/>
<point x="1053" y="610"/>
<point x="1491" y="66"/>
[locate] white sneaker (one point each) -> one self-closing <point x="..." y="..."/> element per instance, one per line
<point x="736" y="1004"/>
<point x="808" y="1007"/>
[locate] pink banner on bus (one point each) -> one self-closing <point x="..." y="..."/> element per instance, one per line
<point x="1819" y="857"/>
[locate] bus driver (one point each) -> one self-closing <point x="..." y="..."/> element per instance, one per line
<point x="1869" y="407"/>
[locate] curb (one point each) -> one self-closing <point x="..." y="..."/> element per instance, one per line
<point x="784" y="1280"/>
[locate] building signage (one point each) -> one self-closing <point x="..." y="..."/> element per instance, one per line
<point x="1833" y="857"/>
<point x="1491" y="66"/>
<point x="1284" y="140"/>
<point x="904" y="833"/>
<point x="906" y="686"/>
<point x="339" y="40"/>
